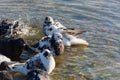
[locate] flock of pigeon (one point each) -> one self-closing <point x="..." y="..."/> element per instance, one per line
<point x="42" y="63"/>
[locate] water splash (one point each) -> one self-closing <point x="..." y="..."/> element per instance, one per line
<point x="25" y="29"/>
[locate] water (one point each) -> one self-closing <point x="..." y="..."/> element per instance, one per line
<point x="101" y="18"/>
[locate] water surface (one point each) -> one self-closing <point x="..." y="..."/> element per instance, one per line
<point x="101" y="18"/>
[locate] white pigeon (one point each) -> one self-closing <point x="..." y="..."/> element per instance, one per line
<point x="43" y="61"/>
<point x="53" y="43"/>
<point x="69" y="34"/>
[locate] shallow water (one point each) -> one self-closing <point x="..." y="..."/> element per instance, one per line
<point x="101" y="18"/>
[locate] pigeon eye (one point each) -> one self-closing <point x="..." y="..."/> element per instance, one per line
<point x="59" y="37"/>
<point x="50" y="29"/>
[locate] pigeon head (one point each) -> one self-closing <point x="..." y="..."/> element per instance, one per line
<point x="48" y="60"/>
<point x="15" y="24"/>
<point x="4" y="66"/>
<point x="57" y="44"/>
<point x="49" y="20"/>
